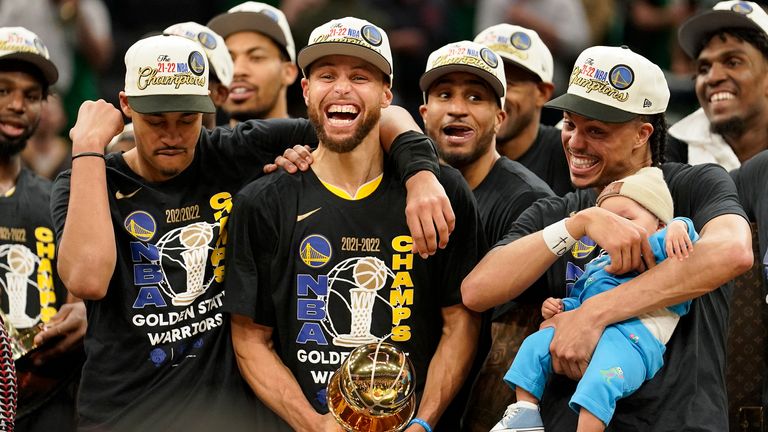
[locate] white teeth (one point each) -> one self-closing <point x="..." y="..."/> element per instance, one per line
<point x="721" y="96"/>
<point x="580" y="162"/>
<point x="342" y="109"/>
<point x="238" y="90"/>
<point x="339" y="122"/>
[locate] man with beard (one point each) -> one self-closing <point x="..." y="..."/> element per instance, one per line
<point x="730" y="45"/>
<point x="301" y="247"/>
<point x="259" y="39"/>
<point x="613" y="125"/>
<point x="143" y="235"/>
<point x="528" y="70"/>
<point x="34" y="297"/>
<point x="464" y="106"/>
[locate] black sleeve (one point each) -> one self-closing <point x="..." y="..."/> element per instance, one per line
<point x="252" y="242"/>
<point x="541" y="213"/>
<point x="467" y="242"/>
<point x="702" y="192"/>
<point x="676" y="150"/>
<point x="412" y="152"/>
<point x="257" y="142"/>
<point x="60" y="202"/>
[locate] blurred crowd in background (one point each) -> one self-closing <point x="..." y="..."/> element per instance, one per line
<point x="88" y="39"/>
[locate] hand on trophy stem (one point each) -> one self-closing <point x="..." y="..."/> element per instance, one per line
<point x="62" y="333"/>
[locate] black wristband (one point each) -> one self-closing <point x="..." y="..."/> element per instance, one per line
<point x="412" y="152"/>
<point x="85" y="154"/>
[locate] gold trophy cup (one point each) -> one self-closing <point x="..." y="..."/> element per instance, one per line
<point x="373" y="390"/>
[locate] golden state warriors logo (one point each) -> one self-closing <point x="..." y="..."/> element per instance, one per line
<point x="207" y="40"/>
<point x="371" y="34"/>
<point x="743" y="8"/>
<point x="621" y="77"/>
<point x="520" y="41"/>
<point x="196" y="63"/>
<point x="583" y="247"/>
<point x="315" y="251"/>
<point x="489" y="57"/>
<point x="270" y="14"/>
<point x="141" y="225"/>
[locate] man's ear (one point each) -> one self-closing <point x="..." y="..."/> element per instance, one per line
<point x="219" y="94"/>
<point x="127" y="111"/>
<point x="290" y="72"/>
<point x="305" y="90"/>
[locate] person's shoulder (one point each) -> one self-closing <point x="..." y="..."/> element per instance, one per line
<point x="550" y="135"/>
<point x="35" y="183"/>
<point x="276" y="183"/>
<point x="675" y="172"/>
<point x="521" y="177"/>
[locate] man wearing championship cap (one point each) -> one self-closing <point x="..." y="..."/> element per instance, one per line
<point x="629" y="352"/>
<point x="142" y="237"/>
<point x="222" y="68"/>
<point x="464" y="90"/>
<point x="730" y="46"/>
<point x="259" y="39"/>
<point x="33" y="297"/>
<point x="338" y="237"/>
<point x="613" y="125"/>
<point x="522" y="137"/>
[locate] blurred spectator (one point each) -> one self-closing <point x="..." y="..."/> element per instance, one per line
<point x="600" y="17"/>
<point x="562" y="25"/>
<point x="47" y="152"/>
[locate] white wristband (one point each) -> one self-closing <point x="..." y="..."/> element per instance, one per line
<point x="557" y="238"/>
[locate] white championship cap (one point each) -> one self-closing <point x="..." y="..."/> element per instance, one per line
<point x="466" y="56"/>
<point x="614" y="85"/>
<point x="256" y="17"/>
<point x="738" y="14"/>
<point x="520" y="46"/>
<point x="352" y="37"/>
<point x="167" y="73"/>
<point x="213" y="45"/>
<point x="18" y="43"/>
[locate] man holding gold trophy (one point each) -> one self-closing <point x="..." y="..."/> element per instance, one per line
<point x="321" y="262"/>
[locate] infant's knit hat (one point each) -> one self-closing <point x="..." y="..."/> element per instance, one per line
<point x="647" y="188"/>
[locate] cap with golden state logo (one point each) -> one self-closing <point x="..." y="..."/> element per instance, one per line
<point x="614" y="85"/>
<point x="520" y="46"/>
<point x="213" y="45"/>
<point x="466" y="56"/>
<point x="256" y="17"/>
<point x="352" y="37"/>
<point x="18" y="43"/>
<point x="167" y="73"/>
<point x="647" y="188"/>
<point x="725" y="14"/>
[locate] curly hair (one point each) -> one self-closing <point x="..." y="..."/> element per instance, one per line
<point x="754" y="37"/>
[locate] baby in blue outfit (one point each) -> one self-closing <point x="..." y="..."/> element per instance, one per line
<point x="628" y="352"/>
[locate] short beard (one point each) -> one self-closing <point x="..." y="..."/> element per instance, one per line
<point x="733" y="127"/>
<point x="513" y="129"/>
<point x="345" y="145"/>
<point x="11" y="148"/>
<point x="460" y="161"/>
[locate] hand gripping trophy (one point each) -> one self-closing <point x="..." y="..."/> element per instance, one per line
<point x="373" y="390"/>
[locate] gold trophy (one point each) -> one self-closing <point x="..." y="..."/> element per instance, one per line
<point x="21" y="328"/>
<point x="373" y="390"/>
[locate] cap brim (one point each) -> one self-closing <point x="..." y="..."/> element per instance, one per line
<point x="313" y="52"/>
<point x="229" y="23"/>
<point x="590" y="109"/>
<point x="171" y="103"/>
<point x="432" y="75"/>
<point x="693" y="30"/>
<point x="46" y="67"/>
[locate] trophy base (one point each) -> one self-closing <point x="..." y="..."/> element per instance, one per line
<point x="353" y="420"/>
<point x="185" y="298"/>
<point x="350" y="341"/>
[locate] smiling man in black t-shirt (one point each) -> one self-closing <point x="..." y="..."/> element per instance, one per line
<point x="613" y="126"/>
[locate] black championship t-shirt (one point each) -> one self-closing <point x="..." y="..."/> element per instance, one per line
<point x="546" y="159"/>
<point x="751" y="181"/>
<point x="31" y="290"/>
<point x="330" y="274"/>
<point x="689" y="391"/>
<point x="158" y="347"/>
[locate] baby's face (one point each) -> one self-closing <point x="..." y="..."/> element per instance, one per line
<point x="630" y="209"/>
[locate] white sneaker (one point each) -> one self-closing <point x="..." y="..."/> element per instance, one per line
<point x="520" y="417"/>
